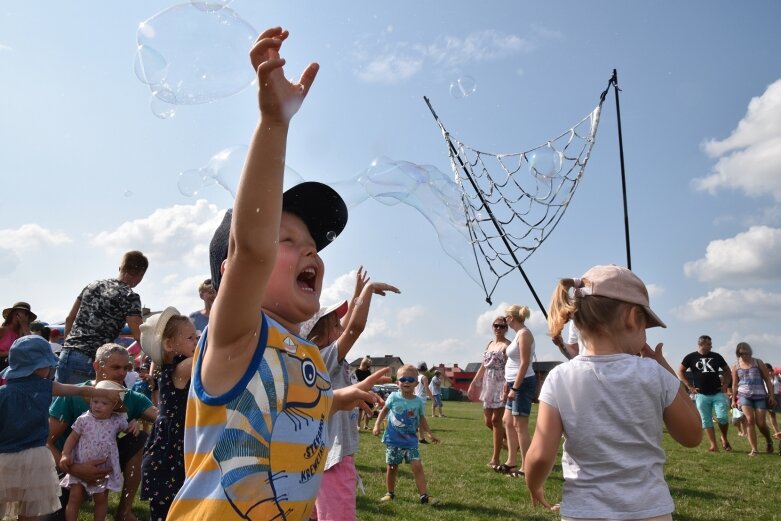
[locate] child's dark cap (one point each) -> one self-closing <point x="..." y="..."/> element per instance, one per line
<point x="320" y="207"/>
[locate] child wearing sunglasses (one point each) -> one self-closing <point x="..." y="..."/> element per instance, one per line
<point x="405" y="412"/>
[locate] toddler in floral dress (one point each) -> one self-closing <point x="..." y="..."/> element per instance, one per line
<point x="94" y="437"/>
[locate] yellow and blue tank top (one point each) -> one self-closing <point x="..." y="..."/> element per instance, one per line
<point x="257" y="452"/>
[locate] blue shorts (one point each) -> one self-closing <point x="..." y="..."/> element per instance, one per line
<point x="74" y="367"/>
<point x="707" y="404"/>
<point x="756" y="403"/>
<point x="437" y="400"/>
<point x="397" y="455"/>
<point x="522" y="404"/>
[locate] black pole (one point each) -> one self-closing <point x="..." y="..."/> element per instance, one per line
<point x="488" y="210"/>
<point x="614" y="81"/>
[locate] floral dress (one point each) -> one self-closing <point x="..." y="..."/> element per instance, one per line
<point x="162" y="468"/>
<point x="493" y="379"/>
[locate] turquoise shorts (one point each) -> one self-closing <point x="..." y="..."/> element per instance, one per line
<point x="398" y="455"/>
<point x="708" y="404"/>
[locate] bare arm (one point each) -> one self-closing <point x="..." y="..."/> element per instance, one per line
<point x="735" y="381"/>
<point x="71" y="317"/>
<point x="134" y="323"/>
<point x="473" y="393"/>
<point x="771" y="399"/>
<point x="680" y="417"/>
<point x="357" y="395"/>
<point x="181" y="374"/>
<point x="682" y="377"/>
<point x="542" y="452"/>
<point x="252" y="248"/>
<point x="150" y="414"/>
<point x="380" y="417"/>
<point x="67" y="450"/>
<point x="359" y="314"/>
<point x="727" y="372"/>
<point x="85" y="391"/>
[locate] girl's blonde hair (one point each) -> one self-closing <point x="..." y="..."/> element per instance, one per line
<point x="170" y="330"/>
<point x="592" y="314"/>
<point x="518" y="312"/>
<point x="366" y="363"/>
<point x="319" y="332"/>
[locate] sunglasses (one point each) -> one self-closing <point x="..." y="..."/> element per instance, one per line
<point x="407" y="379"/>
<point x="500" y="326"/>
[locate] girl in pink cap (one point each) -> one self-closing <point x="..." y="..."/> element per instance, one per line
<point x="610" y="404"/>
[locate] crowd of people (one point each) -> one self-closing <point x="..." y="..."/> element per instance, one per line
<point x="259" y="418"/>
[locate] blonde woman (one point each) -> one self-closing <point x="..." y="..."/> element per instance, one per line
<point x="488" y="386"/>
<point x="364" y="370"/>
<point x="752" y="391"/>
<point x="520" y="384"/>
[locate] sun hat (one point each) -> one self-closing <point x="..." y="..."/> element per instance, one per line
<point x="306" y="327"/>
<point x="618" y="283"/>
<point x="27" y="354"/>
<point x="23" y="306"/>
<point x="110" y="384"/>
<point x="318" y="205"/>
<point x="152" y="333"/>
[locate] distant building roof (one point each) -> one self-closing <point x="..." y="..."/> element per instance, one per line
<point x="380" y="361"/>
<point x="473" y="367"/>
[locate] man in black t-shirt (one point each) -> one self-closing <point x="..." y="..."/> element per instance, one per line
<point x="709" y="388"/>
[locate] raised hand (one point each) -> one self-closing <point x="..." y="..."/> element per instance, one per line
<point x="280" y="99"/>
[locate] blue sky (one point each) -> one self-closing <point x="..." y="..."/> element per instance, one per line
<point x="88" y="171"/>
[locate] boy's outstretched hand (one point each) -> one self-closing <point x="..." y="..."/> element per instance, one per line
<point x="280" y="99"/>
<point x="359" y="394"/>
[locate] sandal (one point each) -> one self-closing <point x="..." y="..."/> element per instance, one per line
<point x="752" y="453"/>
<point x="492" y="465"/>
<point x="505" y="469"/>
<point x="727" y="447"/>
<point x="517" y="473"/>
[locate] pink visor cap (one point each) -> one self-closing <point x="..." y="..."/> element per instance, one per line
<point x="618" y="283"/>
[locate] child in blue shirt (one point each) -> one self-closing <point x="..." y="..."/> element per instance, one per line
<point x="405" y="412"/>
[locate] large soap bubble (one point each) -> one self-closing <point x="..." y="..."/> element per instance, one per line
<point x="427" y="189"/>
<point x="194" y="53"/>
<point x="224" y="170"/>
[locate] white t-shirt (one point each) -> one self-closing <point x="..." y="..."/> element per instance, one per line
<point x="611" y="409"/>
<point x="420" y="389"/>
<point x="574" y="338"/>
<point x="513" y="364"/>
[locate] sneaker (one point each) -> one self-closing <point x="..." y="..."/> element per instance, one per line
<point x="389" y="496"/>
<point x="422" y="441"/>
<point x="425" y="499"/>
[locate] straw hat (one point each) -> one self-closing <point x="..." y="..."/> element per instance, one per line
<point x="22" y="306"/>
<point x="109" y="384"/>
<point x="152" y="333"/>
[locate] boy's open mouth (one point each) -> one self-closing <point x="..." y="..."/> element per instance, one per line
<point x="306" y="279"/>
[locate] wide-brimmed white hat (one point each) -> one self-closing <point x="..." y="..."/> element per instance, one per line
<point x="340" y="308"/>
<point x="152" y="333"/>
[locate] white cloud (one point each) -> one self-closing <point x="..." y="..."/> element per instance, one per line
<point x="399" y="61"/>
<point x="750" y="158"/>
<point x="654" y="290"/>
<point x="408" y="315"/>
<point x="4" y="47"/>
<point x="31" y="237"/>
<point x="536" y="322"/>
<point x="722" y="303"/>
<point x="177" y="234"/>
<point x="27" y="238"/>
<point x="751" y="255"/>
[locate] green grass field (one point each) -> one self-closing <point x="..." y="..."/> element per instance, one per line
<point x="705" y="486"/>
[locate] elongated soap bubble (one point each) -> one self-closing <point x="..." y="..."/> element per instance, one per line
<point x="545" y="162"/>
<point x="424" y="187"/>
<point x="190" y="54"/>
<point x="224" y="170"/>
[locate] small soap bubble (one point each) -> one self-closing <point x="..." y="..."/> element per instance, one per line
<point x="161" y="109"/>
<point x="190" y="183"/>
<point x="128" y="193"/>
<point x="331" y="235"/>
<point x="462" y="87"/>
<point x="545" y="162"/>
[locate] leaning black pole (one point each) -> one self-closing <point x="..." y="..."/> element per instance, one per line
<point x="614" y="81"/>
<point x="454" y="153"/>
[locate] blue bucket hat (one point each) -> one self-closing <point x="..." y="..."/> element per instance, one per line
<point x="27" y="354"/>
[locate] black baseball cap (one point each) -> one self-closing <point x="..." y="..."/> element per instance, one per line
<point x="320" y="207"/>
